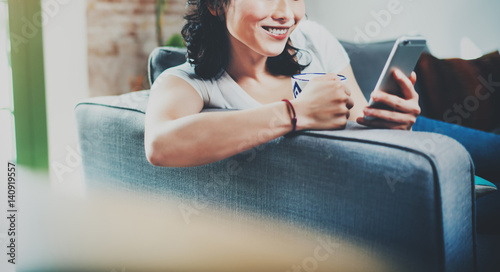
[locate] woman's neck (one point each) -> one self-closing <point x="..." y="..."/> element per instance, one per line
<point x="245" y="64"/>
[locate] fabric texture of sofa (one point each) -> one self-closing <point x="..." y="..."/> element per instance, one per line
<point x="408" y="195"/>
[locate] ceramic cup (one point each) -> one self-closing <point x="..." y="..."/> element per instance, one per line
<point x="300" y="81"/>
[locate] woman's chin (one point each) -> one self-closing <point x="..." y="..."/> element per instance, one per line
<point x="274" y="51"/>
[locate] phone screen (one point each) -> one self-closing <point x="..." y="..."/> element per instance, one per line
<point x="404" y="56"/>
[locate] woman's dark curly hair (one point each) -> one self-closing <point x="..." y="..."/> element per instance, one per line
<point x="208" y="43"/>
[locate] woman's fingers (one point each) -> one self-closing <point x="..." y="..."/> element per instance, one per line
<point x="350" y="103"/>
<point x="413" y="78"/>
<point x="391" y="116"/>
<point x="380" y="124"/>
<point x="327" y="102"/>
<point x="397" y="103"/>
<point x="405" y="84"/>
<point x="347" y="91"/>
<point x="326" y="77"/>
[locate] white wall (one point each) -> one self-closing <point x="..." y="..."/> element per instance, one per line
<point x="66" y="75"/>
<point x="443" y="22"/>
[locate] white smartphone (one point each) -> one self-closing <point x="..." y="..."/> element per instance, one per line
<point x="404" y="56"/>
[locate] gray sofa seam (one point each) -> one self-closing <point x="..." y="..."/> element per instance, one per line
<point x="108" y="106"/>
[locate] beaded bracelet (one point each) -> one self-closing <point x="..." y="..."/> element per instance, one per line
<point x="294" y="117"/>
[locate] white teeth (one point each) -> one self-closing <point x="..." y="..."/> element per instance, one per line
<point x="277" y="31"/>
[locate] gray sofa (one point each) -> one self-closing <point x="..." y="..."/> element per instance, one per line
<point x="408" y="196"/>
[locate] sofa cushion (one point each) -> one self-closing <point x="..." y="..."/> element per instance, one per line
<point x="367" y="61"/>
<point x="463" y="92"/>
<point x="163" y="58"/>
<point x="483" y="187"/>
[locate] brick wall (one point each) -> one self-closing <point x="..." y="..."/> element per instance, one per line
<point x="121" y="34"/>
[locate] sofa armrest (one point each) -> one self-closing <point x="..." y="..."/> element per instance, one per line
<point x="408" y="195"/>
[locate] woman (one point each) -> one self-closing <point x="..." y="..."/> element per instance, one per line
<point x="242" y="56"/>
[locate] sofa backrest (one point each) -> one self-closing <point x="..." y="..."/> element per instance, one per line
<point x="367" y="62"/>
<point x="163" y="58"/>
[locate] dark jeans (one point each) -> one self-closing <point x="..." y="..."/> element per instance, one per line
<point x="483" y="147"/>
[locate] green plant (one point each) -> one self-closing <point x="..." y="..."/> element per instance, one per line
<point x="176" y="40"/>
<point x="160" y="7"/>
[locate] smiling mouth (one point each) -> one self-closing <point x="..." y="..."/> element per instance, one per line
<point x="276" y="30"/>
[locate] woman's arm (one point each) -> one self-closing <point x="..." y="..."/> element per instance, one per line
<point x="178" y="135"/>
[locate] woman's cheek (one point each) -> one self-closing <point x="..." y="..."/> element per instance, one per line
<point x="299" y="10"/>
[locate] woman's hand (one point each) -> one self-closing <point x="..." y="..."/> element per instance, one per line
<point x="406" y="109"/>
<point x="323" y="104"/>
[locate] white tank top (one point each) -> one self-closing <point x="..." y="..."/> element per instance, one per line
<point x="318" y="47"/>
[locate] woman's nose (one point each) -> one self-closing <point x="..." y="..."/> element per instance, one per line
<point x="282" y="12"/>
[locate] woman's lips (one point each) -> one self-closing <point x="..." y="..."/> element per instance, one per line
<point x="279" y="33"/>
